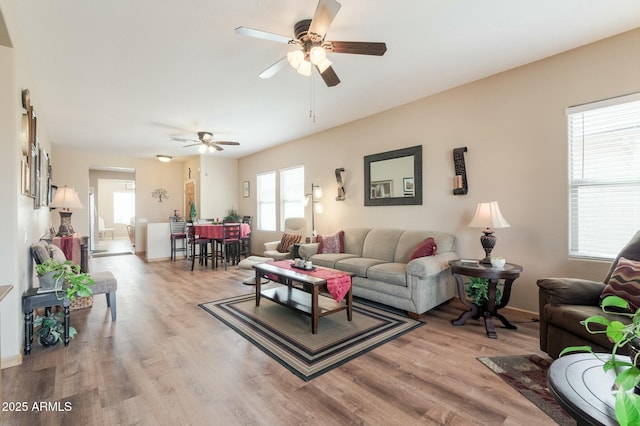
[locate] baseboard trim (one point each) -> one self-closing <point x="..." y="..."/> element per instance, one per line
<point x="11" y="361"/>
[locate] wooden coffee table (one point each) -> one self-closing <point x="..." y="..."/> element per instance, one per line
<point x="301" y="292"/>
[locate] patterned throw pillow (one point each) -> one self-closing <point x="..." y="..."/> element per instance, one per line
<point x="287" y="241"/>
<point x="625" y="282"/>
<point x="426" y="248"/>
<point x="331" y="243"/>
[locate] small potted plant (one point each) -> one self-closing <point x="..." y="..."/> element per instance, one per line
<point x="51" y="274"/>
<point x="232" y="215"/>
<point x="627" y="394"/>
<point x="478" y="291"/>
<point x="51" y="328"/>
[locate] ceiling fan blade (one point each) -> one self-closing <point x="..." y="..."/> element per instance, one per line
<point x="273" y="69"/>
<point x="215" y="145"/>
<point x="250" y="32"/>
<point x="183" y="140"/>
<point x="226" y="143"/>
<point x="329" y="76"/>
<point x="193" y="144"/>
<point x="357" y="47"/>
<point x="324" y="16"/>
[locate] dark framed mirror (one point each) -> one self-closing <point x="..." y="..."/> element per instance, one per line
<point x="393" y="178"/>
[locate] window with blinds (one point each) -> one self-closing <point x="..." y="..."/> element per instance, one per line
<point x="604" y="176"/>
<point x="266" y="199"/>
<point x="291" y="193"/>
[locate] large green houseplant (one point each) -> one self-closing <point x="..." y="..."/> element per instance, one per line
<point x="75" y="283"/>
<point x="627" y="398"/>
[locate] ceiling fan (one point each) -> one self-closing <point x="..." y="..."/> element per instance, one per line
<point x="206" y="142"/>
<point x="311" y="47"/>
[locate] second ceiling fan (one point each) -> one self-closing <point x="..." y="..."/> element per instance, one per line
<point x="311" y="46"/>
<point x="206" y="142"/>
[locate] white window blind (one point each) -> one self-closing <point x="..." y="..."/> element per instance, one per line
<point x="291" y="193"/>
<point x="604" y="176"/>
<point x="266" y="196"/>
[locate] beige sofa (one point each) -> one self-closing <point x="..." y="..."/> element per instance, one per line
<point x="384" y="273"/>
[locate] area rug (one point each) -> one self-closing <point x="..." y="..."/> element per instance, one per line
<point x="528" y="375"/>
<point x="286" y="335"/>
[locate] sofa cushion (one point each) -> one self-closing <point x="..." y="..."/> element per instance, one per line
<point x="625" y="282"/>
<point x="357" y="265"/>
<point x="331" y="243"/>
<point x="568" y="317"/>
<point x="426" y="248"/>
<point x="381" y="244"/>
<point x="287" y="241"/>
<point x="329" y="260"/>
<point x="391" y="273"/>
<point x="40" y="251"/>
<point x="354" y="240"/>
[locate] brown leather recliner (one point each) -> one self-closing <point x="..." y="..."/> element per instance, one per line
<point x="564" y="302"/>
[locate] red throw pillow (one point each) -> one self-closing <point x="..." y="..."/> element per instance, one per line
<point x="625" y="282"/>
<point x="287" y="241"/>
<point x="331" y="243"/>
<point x="426" y="248"/>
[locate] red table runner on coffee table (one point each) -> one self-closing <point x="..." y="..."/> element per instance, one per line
<point x="338" y="283"/>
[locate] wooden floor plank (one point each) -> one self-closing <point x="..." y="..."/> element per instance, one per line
<point x="167" y="361"/>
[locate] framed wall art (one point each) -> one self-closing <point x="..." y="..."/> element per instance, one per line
<point x="245" y="189"/>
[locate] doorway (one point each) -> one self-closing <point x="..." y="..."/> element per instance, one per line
<point x="112" y="211"/>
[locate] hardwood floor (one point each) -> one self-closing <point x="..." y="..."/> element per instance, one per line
<point x="165" y="361"/>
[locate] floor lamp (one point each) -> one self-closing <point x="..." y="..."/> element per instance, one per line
<point x="66" y="199"/>
<point x="316" y="206"/>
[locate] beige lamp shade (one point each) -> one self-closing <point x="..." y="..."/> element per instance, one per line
<point x="488" y="215"/>
<point x="66" y="198"/>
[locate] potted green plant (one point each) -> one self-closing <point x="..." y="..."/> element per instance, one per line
<point x="627" y="394"/>
<point x="478" y="291"/>
<point x="51" y="328"/>
<point x="74" y="283"/>
<point x="232" y="215"/>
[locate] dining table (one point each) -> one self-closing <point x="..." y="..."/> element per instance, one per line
<point x="215" y="231"/>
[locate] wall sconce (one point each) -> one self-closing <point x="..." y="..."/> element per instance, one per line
<point x="66" y="199"/>
<point x="316" y="206"/>
<point x="341" y="194"/>
<point x="460" y="181"/>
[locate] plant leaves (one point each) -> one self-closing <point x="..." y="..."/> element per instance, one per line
<point x="576" y="349"/>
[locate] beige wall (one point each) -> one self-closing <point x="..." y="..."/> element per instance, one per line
<point x="514" y="127"/>
<point x="23" y="224"/>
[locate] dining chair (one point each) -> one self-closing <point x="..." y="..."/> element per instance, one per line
<point x="228" y="248"/>
<point x="245" y="242"/>
<point x="197" y="247"/>
<point x="178" y="232"/>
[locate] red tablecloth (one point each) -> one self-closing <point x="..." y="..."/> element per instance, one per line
<point x="70" y="246"/>
<point x="215" y="231"/>
<point x="338" y="283"/>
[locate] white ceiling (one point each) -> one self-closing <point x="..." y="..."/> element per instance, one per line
<point x="125" y="76"/>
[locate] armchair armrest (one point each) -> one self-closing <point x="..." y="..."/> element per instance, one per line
<point x="423" y="267"/>
<point x="271" y="245"/>
<point x="571" y="291"/>
<point x="308" y="250"/>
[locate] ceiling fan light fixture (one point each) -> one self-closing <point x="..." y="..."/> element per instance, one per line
<point x="317" y="55"/>
<point x="212" y="149"/>
<point x="202" y="149"/>
<point x="164" y="158"/>
<point x="295" y="58"/>
<point x="305" y="68"/>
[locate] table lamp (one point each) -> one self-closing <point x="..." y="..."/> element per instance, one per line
<point x="66" y="199"/>
<point x="488" y="216"/>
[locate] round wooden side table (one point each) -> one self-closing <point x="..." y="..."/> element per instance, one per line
<point x="508" y="273"/>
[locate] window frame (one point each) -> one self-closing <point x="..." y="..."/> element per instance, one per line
<point x="288" y="201"/>
<point x="262" y="201"/>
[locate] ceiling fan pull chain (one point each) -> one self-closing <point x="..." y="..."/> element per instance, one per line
<point x="312" y="100"/>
